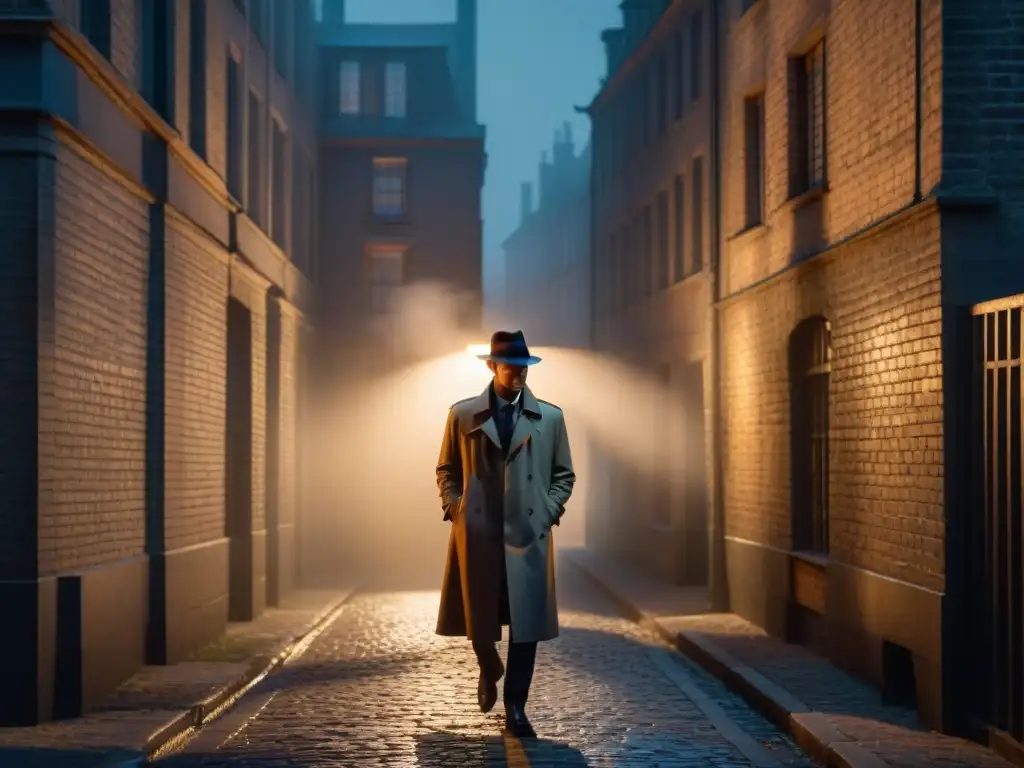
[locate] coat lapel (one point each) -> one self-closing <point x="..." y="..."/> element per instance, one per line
<point x="482" y="419"/>
<point x="529" y="422"/>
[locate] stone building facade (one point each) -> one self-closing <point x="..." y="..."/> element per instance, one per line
<point x="158" y="163"/>
<point x="547" y="258"/>
<point x="652" y="189"/>
<point x="403" y="154"/>
<point x="865" y="207"/>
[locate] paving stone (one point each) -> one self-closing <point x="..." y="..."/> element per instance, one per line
<point x="380" y="688"/>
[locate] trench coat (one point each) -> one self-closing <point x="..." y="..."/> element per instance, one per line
<point x="502" y="508"/>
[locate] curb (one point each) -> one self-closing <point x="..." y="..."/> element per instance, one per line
<point x="821" y="740"/>
<point x="217" y="703"/>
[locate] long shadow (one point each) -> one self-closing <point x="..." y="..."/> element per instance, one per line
<point x="53" y="757"/>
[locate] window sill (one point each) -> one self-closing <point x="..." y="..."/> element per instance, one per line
<point x="816" y="559"/>
<point x="749" y="232"/>
<point x="801" y="199"/>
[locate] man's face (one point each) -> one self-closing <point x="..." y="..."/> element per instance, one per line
<point x="509" y="376"/>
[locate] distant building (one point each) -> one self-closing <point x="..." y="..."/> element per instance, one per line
<point x="547" y="259"/>
<point x="653" y="182"/>
<point x="402" y="164"/>
<point x="158" y="166"/>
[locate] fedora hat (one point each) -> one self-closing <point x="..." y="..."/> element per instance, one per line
<point x="510" y="347"/>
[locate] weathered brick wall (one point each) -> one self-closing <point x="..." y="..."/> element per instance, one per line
<point x="195" y="387"/>
<point x="287" y="416"/>
<point x="92" y="410"/>
<point x="881" y="293"/>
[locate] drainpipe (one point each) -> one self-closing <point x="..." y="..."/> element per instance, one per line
<point x="718" y="585"/>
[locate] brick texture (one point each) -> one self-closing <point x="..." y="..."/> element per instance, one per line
<point x="92" y="410"/>
<point x="881" y="293"/>
<point x="196" y="357"/>
<point x="287" y="415"/>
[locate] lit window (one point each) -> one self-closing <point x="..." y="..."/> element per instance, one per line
<point x="350" y="88"/>
<point x="394" y="89"/>
<point x="386" y="274"/>
<point x="389" y="186"/>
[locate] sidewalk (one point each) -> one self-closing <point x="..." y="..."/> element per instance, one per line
<point x="838" y="719"/>
<point x="160" y="704"/>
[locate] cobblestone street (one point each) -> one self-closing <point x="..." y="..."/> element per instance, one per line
<point x="379" y="688"/>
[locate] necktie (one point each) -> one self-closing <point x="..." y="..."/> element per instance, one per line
<point x="507" y="412"/>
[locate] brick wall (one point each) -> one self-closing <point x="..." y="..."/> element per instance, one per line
<point x="287" y="417"/>
<point x="880" y="291"/>
<point x="92" y="409"/>
<point x="195" y="358"/>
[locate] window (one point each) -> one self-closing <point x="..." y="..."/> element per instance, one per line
<point x="350" y="90"/>
<point x="197" y="77"/>
<point x="679" y="255"/>
<point x="258" y="19"/>
<point x="279" y="191"/>
<point x="389" y="186"/>
<point x="394" y="89"/>
<point x="95" y="20"/>
<point x="387" y="273"/>
<point x="753" y="118"/>
<point x="254" y="201"/>
<point x="647" y="254"/>
<point x="810" y="363"/>
<point x="663" y="275"/>
<point x="282" y="36"/>
<point x="697" y="216"/>
<point x="234" y="132"/>
<point x="808" y="168"/>
<point x="696" y="56"/>
<point x="661" y="93"/>
<point x="678" y="77"/>
<point x="154" y="57"/>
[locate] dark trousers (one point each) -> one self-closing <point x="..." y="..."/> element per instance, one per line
<point x="519" y="662"/>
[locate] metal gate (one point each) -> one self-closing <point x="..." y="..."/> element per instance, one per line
<point x="997" y="620"/>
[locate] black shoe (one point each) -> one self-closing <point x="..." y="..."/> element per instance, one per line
<point x="516" y="722"/>
<point x="487" y="688"/>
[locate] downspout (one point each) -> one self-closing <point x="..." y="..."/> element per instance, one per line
<point x="717" y="579"/>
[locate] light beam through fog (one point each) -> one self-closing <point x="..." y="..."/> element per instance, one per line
<point x="373" y="515"/>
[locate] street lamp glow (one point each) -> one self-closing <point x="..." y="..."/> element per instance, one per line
<point x="479" y="350"/>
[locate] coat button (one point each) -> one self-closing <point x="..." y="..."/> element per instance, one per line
<point x="530" y="511"/>
<point x="529" y="477"/>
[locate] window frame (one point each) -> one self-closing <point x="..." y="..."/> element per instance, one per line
<point x="379" y="209"/>
<point x="396" y="93"/>
<point x="351" y="87"/>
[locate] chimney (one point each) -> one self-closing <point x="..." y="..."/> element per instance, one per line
<point x="525" y="201"/>
<point x="334" y="12"/>
<point x="614" y="40"/>
<point x="466" y="35"/>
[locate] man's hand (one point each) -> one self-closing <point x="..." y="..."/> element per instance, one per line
<point x="449" y="469"/>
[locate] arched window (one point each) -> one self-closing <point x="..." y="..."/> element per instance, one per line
<point x="810" y="363"/>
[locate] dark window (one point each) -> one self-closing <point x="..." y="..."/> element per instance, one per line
<point x="95" y="20"/>
<point x="282" y="36"/>
<point x="258" y="19"/>
<point x="387" y="275"/>
<point x="696" y="56"/>
<point x="697" y="216"/>
<point x="810" y="363"/>
<point x="351" y="87"/>
<point x="678" y="77"/>
<point x="395" y="96"/>
<point x="663" y="276"/>
<point x="234" y="132"/>
<point x="390" y="196"/>
<point x="808" y="160"/>
<point x="279" y="201"/>
<point x="679" y="208"/>
<point x="155" y="54"/>
<point x="197" y="76"/>
<point x="254" y="201"/>
<point x="753" y="118"/>
<point x="661" y="85"/>
<point x="646" y="267"/>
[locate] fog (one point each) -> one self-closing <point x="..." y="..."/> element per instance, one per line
<point x="372" y="515"/>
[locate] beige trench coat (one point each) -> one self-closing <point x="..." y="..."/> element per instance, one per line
<point x="502" y="508"/>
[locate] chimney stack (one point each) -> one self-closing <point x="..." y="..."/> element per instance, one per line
<point x="614" y="44"/>
<point x="466" y="34"/>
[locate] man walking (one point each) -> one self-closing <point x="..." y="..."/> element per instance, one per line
<point x="504" y="475"/>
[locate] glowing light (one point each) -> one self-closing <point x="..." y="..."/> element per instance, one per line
<point x="479" y="350"/>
